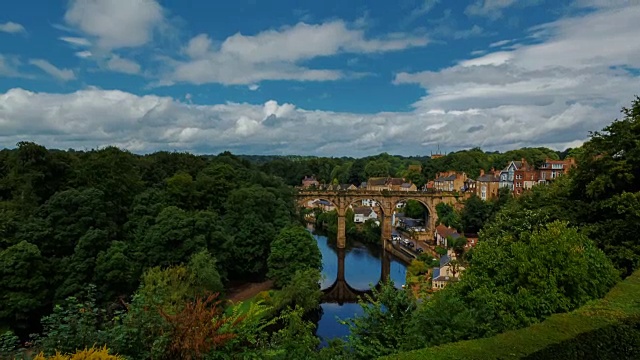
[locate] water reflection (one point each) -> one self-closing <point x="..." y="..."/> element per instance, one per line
<point x="362" y="267"/>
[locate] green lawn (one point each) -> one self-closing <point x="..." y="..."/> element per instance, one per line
<point x="596" y="325"/>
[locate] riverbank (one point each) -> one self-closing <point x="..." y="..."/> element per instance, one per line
<point x="247" y="291"/>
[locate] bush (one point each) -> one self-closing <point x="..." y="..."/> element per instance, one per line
<point x="86" y="354"/>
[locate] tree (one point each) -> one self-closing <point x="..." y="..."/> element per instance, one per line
<point x="293" y="249"/>
<point x="474" y="214"/>
<point x="377" y="168"/>
<point x="23" y="282"/>
<point x="204" y="274"/>
<point x="448" y="216"/>
<point x="414" y="209"/>
<point x="383" y="327"/>
<point x="303" y="290"/>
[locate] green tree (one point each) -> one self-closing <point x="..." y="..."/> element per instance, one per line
<point x="377" y="168"/>
<point x="383" y="327"/>
<point x="303" y="290"/>
<point x="23" y="282"/>
<point x="293" y="249"/>
<point x="414" y="209"/>
<point x="204" y="273"/>
<point x="474" y="214"/>
<point x="448" y="216"/>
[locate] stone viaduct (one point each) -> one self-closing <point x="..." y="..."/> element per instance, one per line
<point x="387" y="201"/>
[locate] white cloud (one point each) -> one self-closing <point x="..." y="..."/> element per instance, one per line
<point x="84" y="54"/>
<point x="116" y="23"/>
<point x="493" y="9"/>
<point x="500" y="43"/>
<point x="12" y="28"/>
<point x="276" y="54"/>
<point x="61" y="74"/>
<point x="573" y="80"/>
<point x="118" y="64"/>
<point x="79" y="41"/>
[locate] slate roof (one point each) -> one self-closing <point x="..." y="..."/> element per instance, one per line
<point x="366" y="211"/>
<point x="406" y="185"/>
<point x="436" y="273"/>
<point x="376" y="181"/>
<point x="444" y="260"/>
<point x="323" y="202"/>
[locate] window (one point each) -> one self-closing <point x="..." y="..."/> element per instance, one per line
<point x="483" y="194"/>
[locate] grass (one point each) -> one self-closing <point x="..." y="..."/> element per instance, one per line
<point x="621" y="303"/>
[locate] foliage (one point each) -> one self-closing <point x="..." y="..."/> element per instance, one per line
<point x="86" y="354"/>
<point x="303" y="290"/>
<point x="414" y="209"/>
<point x="23" y="283"/>
<point x="295" y="340"/>
<point x="383" y="327"/>
<point x="602" y="329"/>
<point x="293" y="250"/>
<point x="418" y="267"/>
<point x="448" y="216"/>
<point x="516" y="280"/>
<point x="77" y="323"/>
<point x="196" y="330"/>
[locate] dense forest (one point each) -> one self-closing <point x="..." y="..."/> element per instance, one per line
<point x="108" y="248"/>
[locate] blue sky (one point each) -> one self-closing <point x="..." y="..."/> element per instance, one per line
<point x="309" y="77"/>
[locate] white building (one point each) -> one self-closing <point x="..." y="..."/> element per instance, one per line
<point x="362" y="214"/>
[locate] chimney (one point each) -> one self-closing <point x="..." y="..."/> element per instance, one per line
<point x="524" y="161"/>
<point x="481" y="172"/>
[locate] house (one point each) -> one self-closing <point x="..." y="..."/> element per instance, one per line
<point x="446" y="273"/>
<point x="362" y="214"/>
<point x="308" y="182"/>
<point x="384" y="183"/>
<point x="369" y="202"/>
<point x="525" y="177"/>
<point x="507" y="175"/>
<point x="347" y="187"/>
<point x="553" y="169"/>
<point x="487" y="185"/>
<point x="363" y="186"/>
<point x="408" y="187"/>
<point x="442" y="233"/>
<point x="450" y="181"/>
<point x="469" y="185"/>
<point x="324" y="205"/>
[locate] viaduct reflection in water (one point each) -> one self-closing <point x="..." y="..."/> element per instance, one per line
<point x="341" y="292"/>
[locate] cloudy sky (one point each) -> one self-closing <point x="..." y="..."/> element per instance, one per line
<point x="329" y="77"/>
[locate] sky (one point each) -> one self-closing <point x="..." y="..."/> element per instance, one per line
<point x="325" y="78"/>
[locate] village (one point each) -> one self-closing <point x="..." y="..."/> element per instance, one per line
<point x="438" y="257"/>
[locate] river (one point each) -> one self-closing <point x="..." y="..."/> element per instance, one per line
<point x="362" y="268"/>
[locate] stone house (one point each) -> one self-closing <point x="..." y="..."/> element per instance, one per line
<point x="309" y="182"/>
<point x="450" y="181"/>
<point x="487" y="185"/>
<point x="384" y="183"/>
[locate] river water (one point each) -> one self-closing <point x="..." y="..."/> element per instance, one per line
<point x="362" y="268"/>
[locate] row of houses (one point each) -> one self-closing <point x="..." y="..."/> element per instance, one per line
<point x="375" y="184"/>
<point x="448" y="270"/>
<point x="517" y="176"/>
<point x="361" y="213"/>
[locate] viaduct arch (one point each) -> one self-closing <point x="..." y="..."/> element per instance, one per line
<point x="386" y="199"/>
